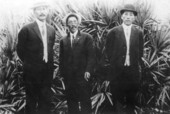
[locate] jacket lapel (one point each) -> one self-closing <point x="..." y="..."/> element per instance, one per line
<point x="132" y="35"/>
<point x="37" y="31"/>
<point x="123" y="35"/>
<point x="48" y="33"/>
<point x="67" y="41"/>
<point x="78" y="37"/>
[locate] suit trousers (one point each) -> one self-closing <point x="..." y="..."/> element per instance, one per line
<point x="38" y="91"/>
<point x="78" y="93"/>
<point x="124" y="89"/>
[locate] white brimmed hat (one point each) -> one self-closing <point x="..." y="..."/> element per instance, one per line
<point x="72" y="15"/>
<point x="40" y="4"/>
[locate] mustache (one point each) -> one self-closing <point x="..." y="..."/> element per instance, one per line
<point x="72" y="26"/>
<point x="42" y="15"/>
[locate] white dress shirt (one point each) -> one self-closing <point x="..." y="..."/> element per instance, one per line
<point x="43" y="31"/>
<point x="73" y="36"/>
<point x="127" y="32"/>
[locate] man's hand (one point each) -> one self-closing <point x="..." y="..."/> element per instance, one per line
<point x="86" y="76"/>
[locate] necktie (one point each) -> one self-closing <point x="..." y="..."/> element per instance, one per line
<point x="127" y="32"/>
<point x="127" y="60"/>
<point x="42" y="31"/>
<point x="45" y="57"/>
<point x="73" y="40"/>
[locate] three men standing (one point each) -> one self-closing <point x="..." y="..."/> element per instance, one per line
<point x="76" y="66"/>
<point x="35" y="49"/>
<point x="124" y="49"/>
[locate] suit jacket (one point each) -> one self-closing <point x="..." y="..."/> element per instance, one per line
<point x="30" y="46"/>
<point x="116" y="48"/>
<point x="77" y="59"/>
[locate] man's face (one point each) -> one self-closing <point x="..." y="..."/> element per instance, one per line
<point x="72" y="24"/>
<point x="128" y="17"/>
<point x="41" y="13"/>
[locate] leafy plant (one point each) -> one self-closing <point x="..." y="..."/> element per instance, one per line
<point x="155" y="80"/>
<point x="98" y="17"/>
<point x="101" y="97"/>
<point x="59" y="100"/>
<point x="12" y="94"/>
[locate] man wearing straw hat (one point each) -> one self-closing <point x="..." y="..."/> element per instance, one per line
<point x="76" y="66"/>
<point x="124" y="49"/>
<point x="35" y="49"/>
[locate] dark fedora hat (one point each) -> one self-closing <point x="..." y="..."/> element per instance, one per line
<point x="129" y="7"/>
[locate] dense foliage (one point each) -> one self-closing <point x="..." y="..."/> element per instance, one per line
<point x="97" y="19"/>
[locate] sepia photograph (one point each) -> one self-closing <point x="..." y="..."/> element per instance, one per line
<point x="85" y="57"/>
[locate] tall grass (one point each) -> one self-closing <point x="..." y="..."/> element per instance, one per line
<point x="12" y="92"/>
<point x="155" y="80"/>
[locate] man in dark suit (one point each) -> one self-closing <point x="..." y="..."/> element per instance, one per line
<point x="35" y="49"/>
<point x="76" y="66"/>
<point x="124" y="49"/>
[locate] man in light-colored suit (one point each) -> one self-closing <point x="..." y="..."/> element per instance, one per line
<point x="124" y="49"/>
<point x="35" y="49"/>
<point x="76" y="66"/>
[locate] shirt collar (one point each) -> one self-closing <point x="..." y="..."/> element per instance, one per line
<point x="126" y="27"/>
<point x="74" y="34"/>
<point x="40" y="23"/>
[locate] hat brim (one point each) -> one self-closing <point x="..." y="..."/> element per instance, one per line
<point x="123" y="10"/>
<point x="72" y="15"/>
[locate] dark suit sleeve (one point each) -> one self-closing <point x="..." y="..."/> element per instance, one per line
<point x="61" y="56"/>
<point x="52" y="49"/>
<point x="90" y="54"/>
<point x="141" y="47"/>
<point x="53" y="42"/>
<point x="22" y="39"/>
<point x="53" y="36"/>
